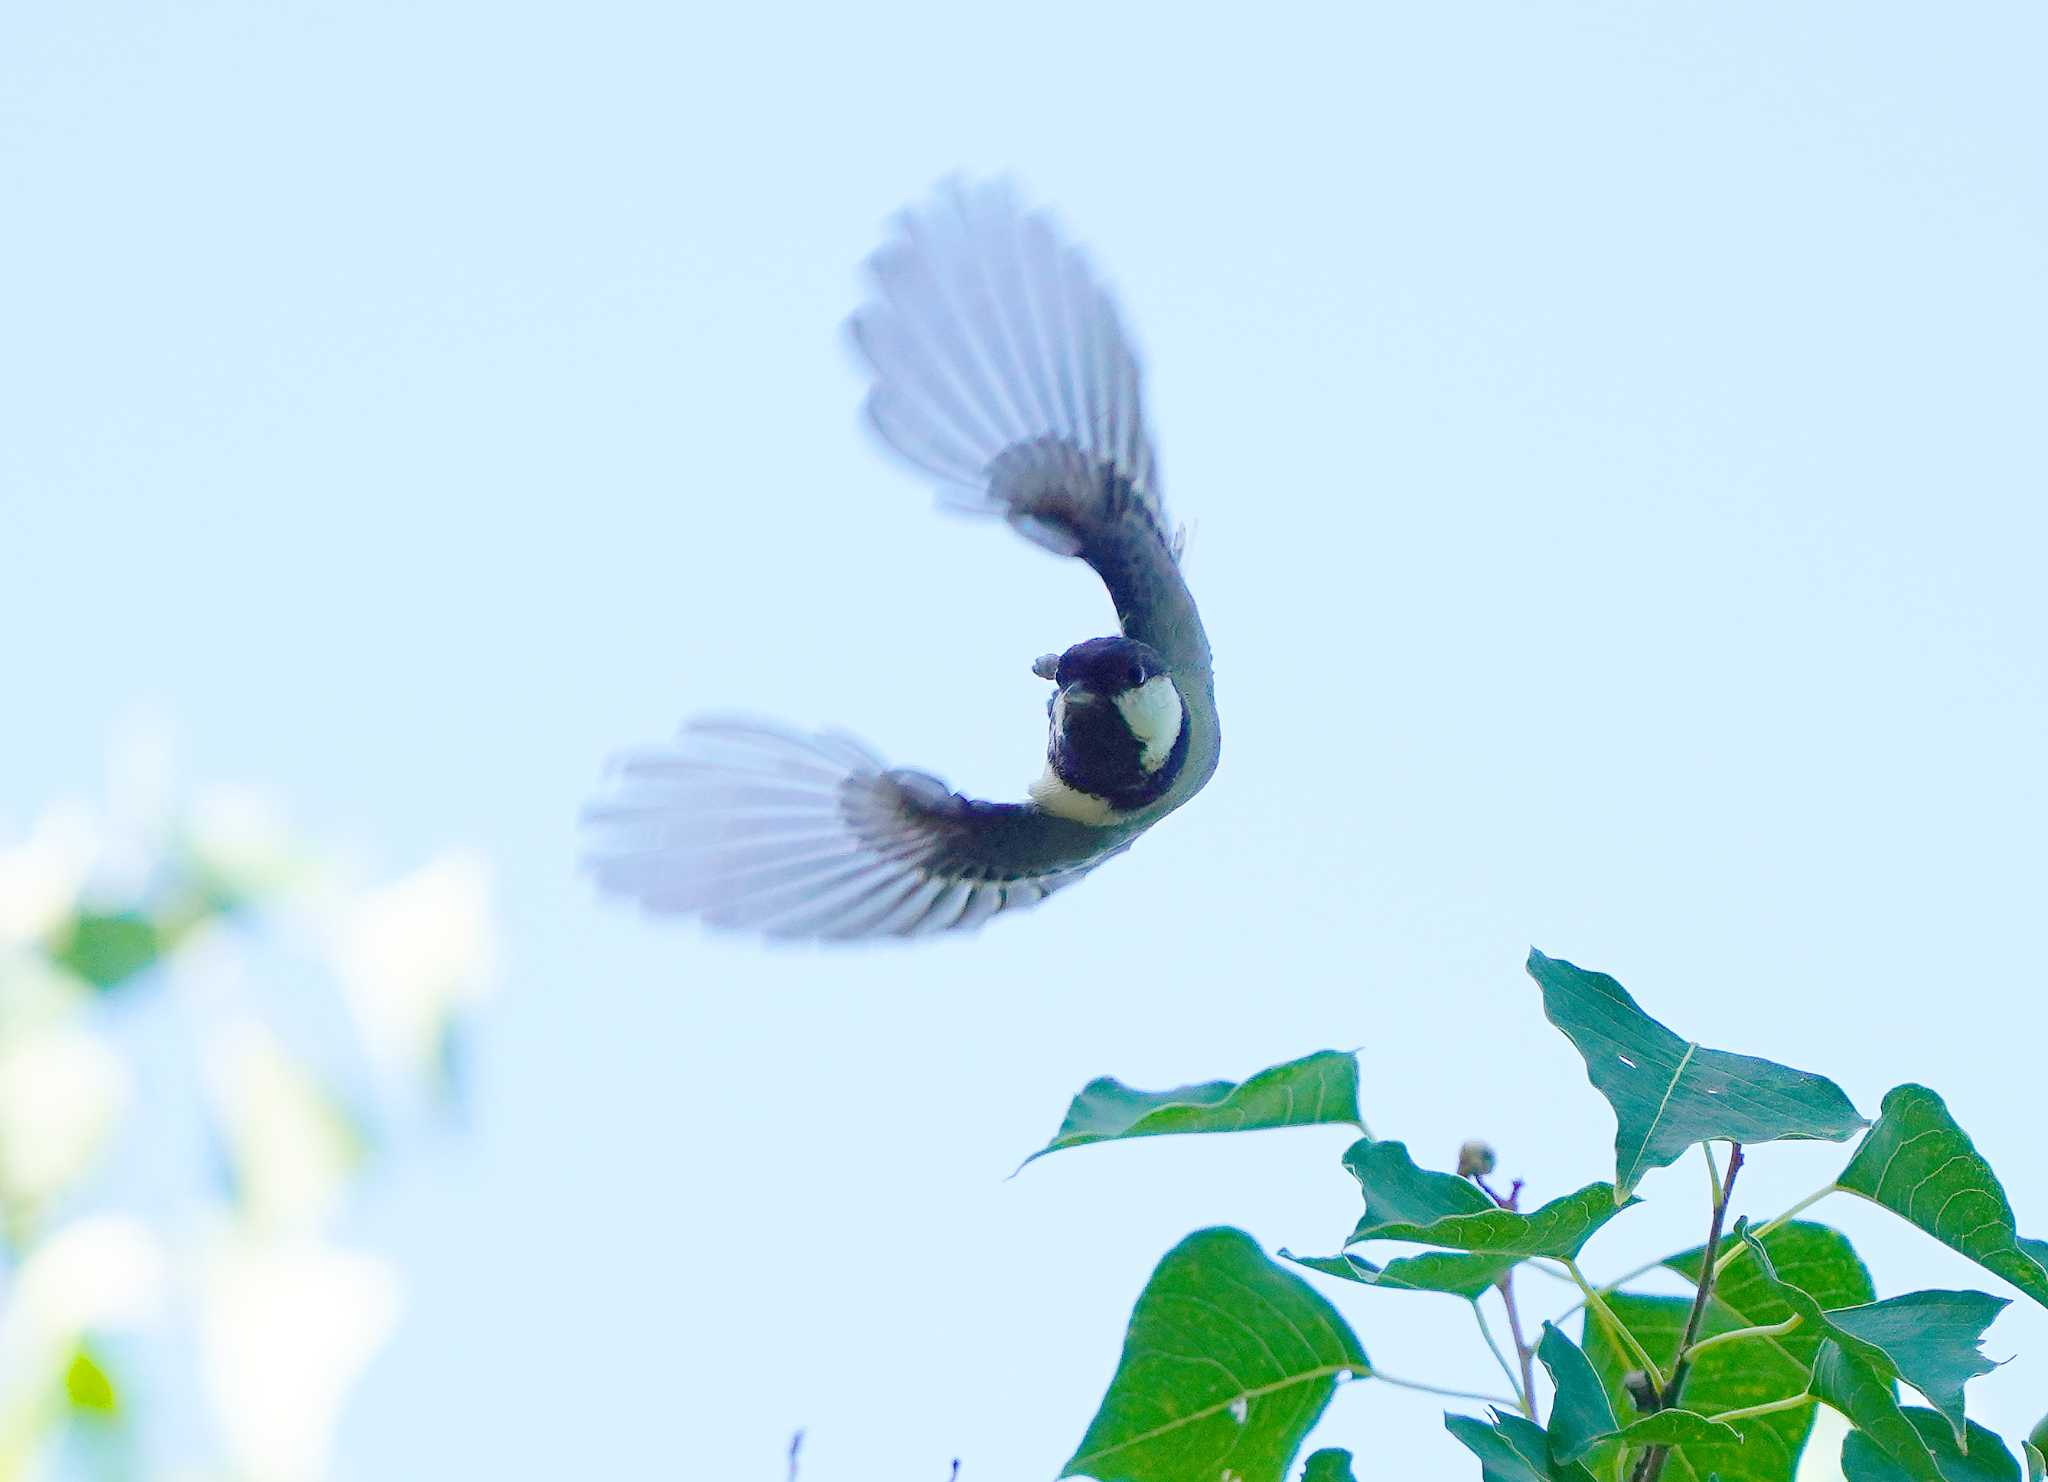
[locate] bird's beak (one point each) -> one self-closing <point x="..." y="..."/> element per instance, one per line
<point x="1046" y="666"/>
<point x="1078" y="696"/>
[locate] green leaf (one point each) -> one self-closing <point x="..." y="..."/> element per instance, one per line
<point x="1319" y="1088"/>
<point x="1736" y="1375"/>
<point x="1512" y="1449"/>
<point x="1457" y="1275"/>
<point x="87" y="1387"/>
<point x="1228" y="1363"/>
<point x="2037" y="1464"/>
<point x="1580" y="1414"/>
<point x="1987" y="1459"/>
<point x="1399" y="1193"/>
<point x="1560" y="1229"/>
<point x="1329" y="1465"/>
<point x="1669" y="1093"/>
<point x="1932" y="1339"/>
<point x="1920" y="1165"/>
<point x="1870" y="1402"/>
<point x="108" y="949"/>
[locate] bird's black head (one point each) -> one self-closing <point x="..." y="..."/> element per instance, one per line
<point x="1108" y="666"/>
<point x="1119" y="730"/>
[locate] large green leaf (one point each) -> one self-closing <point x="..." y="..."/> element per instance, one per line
<point x="1919" y="1164"/>
<point x="1329" y="1465"/>
<point x="1228" y="1362"/>
<point x="1512" y="1449"/>
<point x="1736" y="1375"/>
<point x="1580" y="1412"/>
<point x="1318" y="1088"/>
<point x="1987" y="1459"/>
<point x="1669" y="1093"/>
<point x="1932" y="1339"/>
<point x="1457" y="1274"/>
<point x="1869" y="1401"/>
<point x="2037" y="1462"/>
<point x="1559" y="1229"/>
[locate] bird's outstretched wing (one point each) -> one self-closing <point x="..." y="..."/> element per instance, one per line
<point x="752" y="827"/>
<point x="1001" y="369"/>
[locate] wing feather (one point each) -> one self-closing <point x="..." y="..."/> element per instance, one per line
<point x="748" y="826"/>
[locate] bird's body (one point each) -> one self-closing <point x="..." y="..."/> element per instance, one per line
<point x="1000" y="369"/>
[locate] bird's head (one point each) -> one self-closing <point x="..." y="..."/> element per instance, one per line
<point x="1116" y="717"/>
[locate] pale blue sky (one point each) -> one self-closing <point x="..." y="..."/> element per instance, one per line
<point x="1612" y="439"/>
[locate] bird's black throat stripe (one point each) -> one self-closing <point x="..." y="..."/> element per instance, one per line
<point x="1096" y="753"/>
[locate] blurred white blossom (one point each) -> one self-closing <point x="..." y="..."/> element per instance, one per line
<point x="101" y="1274"/>
<point x="293" y="1144"/>
<point x="286" y="1328"/>
<point x="42" y="877"/>
<point x="416" y="953"/>
<point x="239" y="837"/>
<point x="62" y="1090"/>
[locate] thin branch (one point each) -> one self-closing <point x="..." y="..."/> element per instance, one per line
<point x="1615" y="1325"/>
<point x="1651" y="1466"/>
<point x="1523" y="1351"/>
<point x="1733" y="1335"/>
<point x="1438" y="1389"/>
<point x="796" y="1444"/>
<point x="1773" y="1224"/>
<point x="1522" y="1400"/>
<point x="1769" y="1407"/>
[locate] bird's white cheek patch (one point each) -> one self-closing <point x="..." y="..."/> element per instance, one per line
<point x="1051" y="793"/>
<point x="1153" y="713"/>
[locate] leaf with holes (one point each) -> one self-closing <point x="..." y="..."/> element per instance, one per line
<point x="1669" y="1093"/>
<point x="1228" y="1362"/>
<point x="1317" y="1089"/>
<point x="1511" y="1449"/>
<point x="1454" y="1274"/>
<point x="1933" y="1339"/>
<point x="1870" y="1402"/>
<point x="1920" y="1165"/>
<point x="1736" y="1375"/>
<point x="1986" y="1460"/>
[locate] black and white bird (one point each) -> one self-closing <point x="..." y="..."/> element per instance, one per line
<point x="1001" y="371"/>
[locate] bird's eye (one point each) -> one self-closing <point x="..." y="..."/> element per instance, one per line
<point x="1135" y="675"/>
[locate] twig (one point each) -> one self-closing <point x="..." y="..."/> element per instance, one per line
<point x="1438" y="1389"/>
<point x="1768" y="1407"/>
<point x="1773" y="1224"/>
<point x="1651" y="1466"/>
<point x="1523" y="1351"/>
<point x="1769" y="1330"/>
<point x="796" y="1444"/>
<point x="1524" y="1354"/>
<point x="1486" y="1331"/>
<point x="1615" y="1325"/>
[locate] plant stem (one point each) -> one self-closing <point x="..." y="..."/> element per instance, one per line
<point x="1772" y="1224"/>
<point x="1628" y="1340"/>
<point x="1769" y="1407"/>
<point x="1771" y="1330"/>
<point x="1651" y="1466"/>
<point x="1523" y="1351"/>
<point x="1437" y="1389"/>
<point x="1522" y="1399"/>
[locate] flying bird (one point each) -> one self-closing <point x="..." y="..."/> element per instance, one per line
<point x="1001" y="371"/>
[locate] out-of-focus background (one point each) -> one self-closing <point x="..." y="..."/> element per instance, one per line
<point x="1611" y="440"/>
